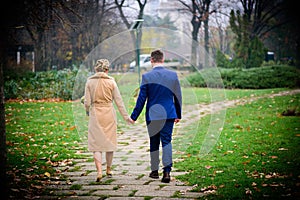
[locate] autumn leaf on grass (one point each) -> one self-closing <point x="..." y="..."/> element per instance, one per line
<point x="246" y="162"/>
<point x="238" y="126"/>
<point x="209" y="189"/>
<point x="54" y="156"/>
<point x="208" y="166"/>
<point x="47" y="174"/>
<point x="282" y="149"/>
<point x="72" y="128"/>
<point x="229" y="151"/>
<point x="273" y="157"/>
<point x="248" y="191"/>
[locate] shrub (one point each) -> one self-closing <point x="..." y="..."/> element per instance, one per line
<point x="39" y="85"/>
<point x="253" y="78"/>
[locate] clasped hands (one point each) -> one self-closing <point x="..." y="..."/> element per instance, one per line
<point x="131" y="121"/>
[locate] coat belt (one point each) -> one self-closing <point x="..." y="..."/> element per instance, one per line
<point x="102" y="104"/>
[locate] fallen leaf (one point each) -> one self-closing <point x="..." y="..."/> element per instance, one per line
<point x="54" y="156"/>
<point x="282" y="149"/>
<point x="254" y="184"/>
<point x="268" y="176"/>
<point x="47" y="174"/>
<point x="248" y="191"/>
<point x="238" y="126"/>
<point x="273" y="157"/>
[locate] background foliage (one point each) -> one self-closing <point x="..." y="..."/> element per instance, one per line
<point x="40" y="85"/>
<point x="276" y="76"/>
<point x="60" y="84"/>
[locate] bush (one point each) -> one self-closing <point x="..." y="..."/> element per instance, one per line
<point x="39" y="85"/>
<point x="253" y="78"/>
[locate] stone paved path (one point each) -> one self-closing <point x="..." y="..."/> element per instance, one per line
<point x="130" y="175"/>
<point x="131" y="167"/>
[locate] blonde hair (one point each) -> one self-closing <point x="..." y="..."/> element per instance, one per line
<point x="101" y="65"/>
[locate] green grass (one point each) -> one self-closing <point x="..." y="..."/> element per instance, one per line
<point x="45" y="134"/>
<point x="39" y="135"/>
<point x="256" y="156"/>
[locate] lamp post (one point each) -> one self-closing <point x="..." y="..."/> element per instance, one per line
<point x="136" y="26"/>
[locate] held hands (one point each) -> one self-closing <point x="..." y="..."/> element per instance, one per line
<point x="130" y="121"/>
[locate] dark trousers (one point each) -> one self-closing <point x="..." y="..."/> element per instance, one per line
<point x="161" y="131"/>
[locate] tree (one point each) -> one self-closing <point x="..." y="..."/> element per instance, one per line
<point x="138" y="37"/>
<point x="3" y="152"/>
<point x="200" y="10"/>
<point x="252" y="26"/>
<point x="8" y="20"/>
<point x="35" y="22"/>
<point x="97" y="21"/>
<point x="284" y="39"/>
<point x="64" y="32"/>
<point x="249" y="51"/>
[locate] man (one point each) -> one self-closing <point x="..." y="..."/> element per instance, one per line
<point x="160" y="87"/>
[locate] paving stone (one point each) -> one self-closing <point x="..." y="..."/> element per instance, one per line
<point x="139" y="187"/>
<point x="81" y="198"/>
<point x="156" y="193"/>
<point x="125" y="198"/>
<point x="171" y="198"/>
<point x="194" y="195"/>
<point x="69" y="192"/>
<point x="120" y="193"/>
<point x="99" y="187"/>
<point x="177" y="188"/>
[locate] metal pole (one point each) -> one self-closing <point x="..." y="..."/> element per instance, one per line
<point x="138" y="54"/>
<point x="137" y="26"/>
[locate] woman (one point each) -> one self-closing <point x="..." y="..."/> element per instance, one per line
<point x="101" y="91"/>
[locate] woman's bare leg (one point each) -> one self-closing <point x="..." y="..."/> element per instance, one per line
<point x="109" y="158"/>
<point x="98" y="163"/>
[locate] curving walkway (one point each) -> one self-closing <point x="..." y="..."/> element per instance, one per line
<point x="131" y="166"/>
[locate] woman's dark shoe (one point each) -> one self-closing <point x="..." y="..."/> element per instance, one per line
<point x="166" y="177"/>
<point x="99" y="177"/>
<point x="154" y="174"/>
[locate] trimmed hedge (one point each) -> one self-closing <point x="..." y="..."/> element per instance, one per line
<point x="254" y="78"/>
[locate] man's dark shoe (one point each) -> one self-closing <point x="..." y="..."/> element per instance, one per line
<point x="154" y="174"/>
<point x="166" y="177"/>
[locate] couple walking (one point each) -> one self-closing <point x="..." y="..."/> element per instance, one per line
<point x="159" y="89"/>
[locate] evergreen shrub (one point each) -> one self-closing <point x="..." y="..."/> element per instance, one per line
<point x="280" y="76"/>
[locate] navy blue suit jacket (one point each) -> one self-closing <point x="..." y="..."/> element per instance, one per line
<point x="160" y="88"/>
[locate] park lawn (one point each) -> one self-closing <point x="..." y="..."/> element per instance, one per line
<point x="43" y="134"/>
<point x="255" y="157"/>
<point x="39" y="137"/>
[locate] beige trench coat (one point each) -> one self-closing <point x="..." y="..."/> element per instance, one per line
<point x="101" y="91"/>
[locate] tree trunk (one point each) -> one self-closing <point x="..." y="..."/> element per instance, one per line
<point x="3" y="151"/>
<point x="206" y="43"/>
<point x="194" y="54"/>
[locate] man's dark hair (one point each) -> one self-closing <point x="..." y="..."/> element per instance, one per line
<point x="157" y="56"/>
